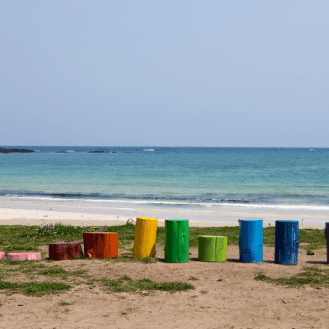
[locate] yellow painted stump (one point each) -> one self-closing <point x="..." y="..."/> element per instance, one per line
<point x="145" y="237"/>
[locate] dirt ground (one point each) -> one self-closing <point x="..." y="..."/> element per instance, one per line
<point x="225" y="296"/>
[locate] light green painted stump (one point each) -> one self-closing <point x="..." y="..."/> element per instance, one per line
<point x="212" y="248"/>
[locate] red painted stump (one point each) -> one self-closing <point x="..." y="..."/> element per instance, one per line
<point x="64" y="250"/>
<point x="101" y="244"/>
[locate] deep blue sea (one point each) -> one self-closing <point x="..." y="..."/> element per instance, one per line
<point x="170" y="175"/>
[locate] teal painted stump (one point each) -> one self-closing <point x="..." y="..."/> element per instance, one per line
<point x="212" y="248"/>
<point x="176" y="240"/>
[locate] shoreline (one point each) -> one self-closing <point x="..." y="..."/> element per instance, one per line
<point x="36" y="212"/>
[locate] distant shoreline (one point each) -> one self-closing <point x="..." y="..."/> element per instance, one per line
<point x="15" y="150"/>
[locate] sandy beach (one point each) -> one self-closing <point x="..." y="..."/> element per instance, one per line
<point x="14" y="211"/>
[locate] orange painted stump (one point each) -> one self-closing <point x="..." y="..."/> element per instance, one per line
<point x="101" y="244"/>
<point x="64" y="250"/>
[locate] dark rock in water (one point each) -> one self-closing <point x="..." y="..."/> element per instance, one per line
<point x="102" y="152"/>
<point x="62" y="152"/>
<point x="310" y="252"/>
<point x="15" y="150"/>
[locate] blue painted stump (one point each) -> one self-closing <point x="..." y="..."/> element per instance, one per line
<point x="251" y="240"/>
<point x="286" y="242"/>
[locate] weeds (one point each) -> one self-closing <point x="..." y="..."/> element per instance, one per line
<point x="126" y="284"/>
<point x="64" y="304"/>
<point x="312" y="275"/>
<point x="125" y="259"/>
<point x="34" y="288"/>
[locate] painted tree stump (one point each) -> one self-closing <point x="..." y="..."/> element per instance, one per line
<point x="145" y="237"/>
<point x="286" y="242"/>
<point x="251" y="240"/>
<point x="64" y="250"/>
<point x="15" y="256"/>
<point x="212" y="248"/>
<point x="326" y="234"/>
<point x="101" y="244"/>
<point x="176" y="240"/>
<point x="2" y="255"/>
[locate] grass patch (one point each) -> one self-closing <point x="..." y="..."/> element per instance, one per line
<point x="34" y="268"/>
<point x="16" y="238"/>
<point x="193" y="278"/>
<point x="312" y="275"/>
<point x="232" y="234"/>
<point x="9" y="268"/>
<point x="43" y="288"/>
<point x="34" y="288"/>
<point x="54" y="271"/>
<point x="64" y="304"/>
<point x="314" y="237"/>
<point x="127" y="284"/>
<point x="125" y="259"/>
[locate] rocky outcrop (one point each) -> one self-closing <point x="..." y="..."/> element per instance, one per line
<point x="15" y="150"/>
<point x="102" y="152"/>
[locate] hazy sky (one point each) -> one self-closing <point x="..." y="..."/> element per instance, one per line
<point x="164" y="73"/>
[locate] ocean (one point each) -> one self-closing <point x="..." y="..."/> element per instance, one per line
<point x="170" y="176"/>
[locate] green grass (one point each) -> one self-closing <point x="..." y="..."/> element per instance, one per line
<point x="34" y="288"/>
<point x="312" y="275"/>
<point x="146" y="260"/>
<point x="232" y="234"/>
<point x="64" y="304"/>
<point x="54" y="271"/>
<point x="315" y="238"/>
<point x="9" y="268"/>
<point x="18" y="238"/>
<point x="127" y="284"/>
<point x="14" y="238"/>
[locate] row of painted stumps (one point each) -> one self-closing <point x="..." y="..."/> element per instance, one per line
<point x="210" y="248"/>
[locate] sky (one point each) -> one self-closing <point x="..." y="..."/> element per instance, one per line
<point x="232" y="73"/>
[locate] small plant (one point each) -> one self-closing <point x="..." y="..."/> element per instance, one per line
<point x="126" y="278"/>
<point x="64" y="304"/>
<point x="193" y="278"/>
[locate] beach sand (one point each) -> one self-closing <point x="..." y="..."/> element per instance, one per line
<point x="22" y="211"/>
<point x="226" y="295"/>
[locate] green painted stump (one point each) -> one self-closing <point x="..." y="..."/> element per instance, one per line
<point x="212" y="248"/>
<point x="177" y="240"/>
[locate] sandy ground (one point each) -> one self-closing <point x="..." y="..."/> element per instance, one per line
<point x="9" y="216"/>
<point x="225" y="296"/>
<point x="22" y="210"/>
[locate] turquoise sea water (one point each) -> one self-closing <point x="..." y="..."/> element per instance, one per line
<point x="170" y="175"/>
